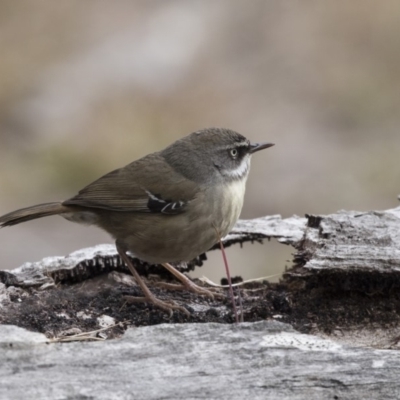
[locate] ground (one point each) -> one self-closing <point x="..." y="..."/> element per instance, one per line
<point x="332" y="305"/>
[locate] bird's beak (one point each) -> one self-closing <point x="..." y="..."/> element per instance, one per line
<point x="259" y="146"/>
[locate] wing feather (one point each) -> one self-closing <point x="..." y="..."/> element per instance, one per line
<point x="137" y="188"/>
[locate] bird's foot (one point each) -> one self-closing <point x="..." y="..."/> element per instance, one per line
<point x="168" y="307"/>
<point x="189" y="285"/>
<point x="186" y="283"/>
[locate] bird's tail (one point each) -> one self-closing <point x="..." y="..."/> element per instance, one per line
<point x="26" y="214"/>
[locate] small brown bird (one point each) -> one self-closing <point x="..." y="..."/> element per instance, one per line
<point x="169" y="206"/>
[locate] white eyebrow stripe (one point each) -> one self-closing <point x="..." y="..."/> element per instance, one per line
<point x="242" y="144"/>
<point x="235" y="145"/>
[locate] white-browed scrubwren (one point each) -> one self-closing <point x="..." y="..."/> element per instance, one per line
<point x="169" y="206"/>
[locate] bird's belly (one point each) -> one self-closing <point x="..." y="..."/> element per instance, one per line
<point x="176" y="239"/>
<point x="159" y="238"/>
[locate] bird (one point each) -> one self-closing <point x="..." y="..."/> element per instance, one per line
<point x="168" y="206"/>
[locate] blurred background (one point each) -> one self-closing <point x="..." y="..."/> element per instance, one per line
<point x="89" y="86"/>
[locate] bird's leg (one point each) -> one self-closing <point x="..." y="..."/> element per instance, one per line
<point x="148" y="296"/>
<point x="186" y="283"/>
<point x="228" y="275"/>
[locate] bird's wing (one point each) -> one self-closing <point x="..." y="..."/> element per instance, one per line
<point x="148" y="185"/>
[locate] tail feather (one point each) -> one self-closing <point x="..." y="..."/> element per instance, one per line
<point x="29" y="213"/>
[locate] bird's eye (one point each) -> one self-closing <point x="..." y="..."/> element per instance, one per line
<point x="233" y="153"/>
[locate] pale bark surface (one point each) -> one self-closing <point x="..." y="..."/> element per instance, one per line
<point x="260" y="361"/>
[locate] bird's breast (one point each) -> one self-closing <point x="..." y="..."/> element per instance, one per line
<point x="230" y="205"/>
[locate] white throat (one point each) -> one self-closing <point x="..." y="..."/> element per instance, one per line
<point x="241" y="171"/>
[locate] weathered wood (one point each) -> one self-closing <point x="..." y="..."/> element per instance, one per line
<point x="265" y="360"/>
<point x="351" y="240"/>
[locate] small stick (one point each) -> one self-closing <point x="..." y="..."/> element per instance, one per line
<point x="240" y="304"/>
<point x="228" y="275"/>
<point x="204" y="279"/>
